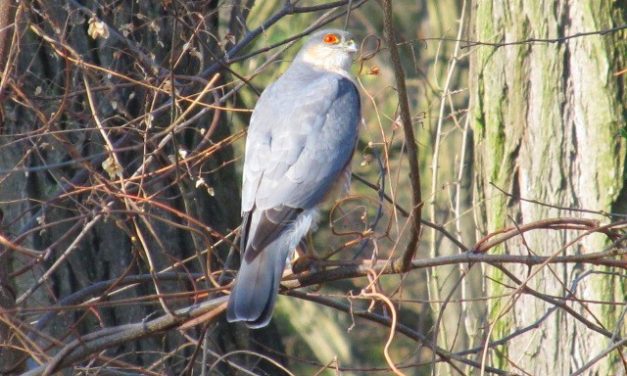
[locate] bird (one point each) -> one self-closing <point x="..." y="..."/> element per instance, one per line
<point x="300" y="142"/>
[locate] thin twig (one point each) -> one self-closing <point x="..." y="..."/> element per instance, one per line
<point x="404" y="262"/>
<point x="401" y="328"/>
<point x="109" y="337"/>
<point x="558" y="40"/>
<point x="615" y="346"/>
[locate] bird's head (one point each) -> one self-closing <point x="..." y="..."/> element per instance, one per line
<point x="329" y="49"/>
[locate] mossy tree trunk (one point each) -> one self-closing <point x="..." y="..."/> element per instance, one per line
<point x="547" y="120"/>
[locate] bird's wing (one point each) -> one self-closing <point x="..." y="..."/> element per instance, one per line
<point x="302" y="136"/>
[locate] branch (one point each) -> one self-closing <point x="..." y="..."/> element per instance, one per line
<point x="362" y="268"/>
<point x="558" y="40"/>
<point x="208" y="310"/>
<point x="288" y="9"/>
<point x="405" y="330"/>
<point x="498" y="237"/>
<point x="403" y="263"/>
<point x="103" y="339"/>
<point x="404" y="213"/>
<point x="553" y="301"/>
<point x="142" y="55"/>
<point x="547" y="40"/>
<point x="306" y="32"/>
<point x="615" y="346"/>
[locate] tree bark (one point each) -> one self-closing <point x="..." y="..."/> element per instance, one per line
<point x="52" y="155"/>
<point x="547" y="119"/>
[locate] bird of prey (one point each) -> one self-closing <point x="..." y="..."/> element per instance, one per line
<point x="301" y="139"/>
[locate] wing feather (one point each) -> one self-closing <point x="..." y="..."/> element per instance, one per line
<point x="300" y="140"/>
<point x="269" y="227"/>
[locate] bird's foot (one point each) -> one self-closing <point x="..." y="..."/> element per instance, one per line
<point x="305" y="263"/>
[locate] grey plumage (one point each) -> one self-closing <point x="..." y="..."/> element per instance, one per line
<point x="300" y="142"/>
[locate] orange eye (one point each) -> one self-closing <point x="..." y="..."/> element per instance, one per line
<point x="331" y="39"/>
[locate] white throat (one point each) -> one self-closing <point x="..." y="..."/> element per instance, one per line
<point x="329" y="60"/>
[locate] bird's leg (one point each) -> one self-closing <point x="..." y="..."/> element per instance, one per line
<point x="302" y="249"/>
<point x="306" y="256"/>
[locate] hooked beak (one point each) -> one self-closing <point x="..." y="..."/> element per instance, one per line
<point x="350" y="46"/>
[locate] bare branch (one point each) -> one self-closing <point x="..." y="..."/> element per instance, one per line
<point x="404" y="261"/>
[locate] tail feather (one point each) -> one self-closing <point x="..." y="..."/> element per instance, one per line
<point x="255" y="292"/>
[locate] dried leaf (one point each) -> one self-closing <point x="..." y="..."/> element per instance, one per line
<point x="112" y="168"/>
<point x="97" y="29"/>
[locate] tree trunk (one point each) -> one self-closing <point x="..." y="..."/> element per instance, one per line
<point x="547" y="119"/>
<point x="52" y="155"/>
